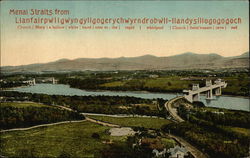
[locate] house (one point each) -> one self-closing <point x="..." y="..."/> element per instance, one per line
<point x="159" y="154"/>
<point x="177" y="152"/>
<point x="153" y="76"/>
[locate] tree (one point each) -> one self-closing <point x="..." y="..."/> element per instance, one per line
<point x="95" y="135"/>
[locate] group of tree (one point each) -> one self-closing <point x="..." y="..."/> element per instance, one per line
<point x="129" y="85"/>
<point x="238" y="83"/>
<point x="216" y="144"/>
<point x="230" y="118"/>
<point x="91" y="104"/>
<point x="10" y="84"/>
<point x="17" y="117"/>
<point x="211" y="131"/>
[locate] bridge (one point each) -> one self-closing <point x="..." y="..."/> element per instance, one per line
<point x="194" y="94"/>
<point x="30" y="82"/>
<point x="41" y="80"/>
<point x="46" y="80"/>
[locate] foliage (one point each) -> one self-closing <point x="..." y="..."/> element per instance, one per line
<point x="227" y="117"/>
<point x="207" y="128"/>
<point x="10" y="84"/>
<point x="16" y="117"/>
<point x="64" y="140"/>
<point x="64" y="155"/>
<point x="154" y="123"/>
<point x="90" y="104"/>
<point x="216" y="144"/>
<point x="168" y="81"/>
<point x="95" y="135"/>
<point x="117" y="150"/>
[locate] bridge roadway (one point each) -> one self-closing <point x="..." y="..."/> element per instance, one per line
<point x="194" y="94"/>
<point x="172" y="112"/>
<point x="206" y="88"/>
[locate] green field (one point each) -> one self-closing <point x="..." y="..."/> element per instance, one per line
<point x="166" y="83"/>
<point x="155" y="123"/>
<point x="23" y="104"/>
<point x="237" y="85"/>
<point x="72" y="138"/>
<point x="113" y="84"/>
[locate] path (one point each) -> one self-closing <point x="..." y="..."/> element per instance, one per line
<point x="171" y="111"/>
<point x="194" y="151"/>
<point x="120" y="115"/>
<point x="37" y="126"/>
<point x="101" y="122"/>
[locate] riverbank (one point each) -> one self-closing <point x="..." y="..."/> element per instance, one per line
<point x="227" y="101"/>
<point x="11" y="88"/>
<point x="177" y="93"/>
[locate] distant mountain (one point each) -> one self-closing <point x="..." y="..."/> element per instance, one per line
<point x="147" y="62"/>
<point x="244" y="55"/>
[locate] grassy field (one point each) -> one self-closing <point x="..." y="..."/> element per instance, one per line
<point x="113" y="84"/>
<point x="22" y="104"/>
<point x="72" y="138"/>
<point x="155" y="123"/>
<point x="237" y="85"/>
<point x="166" y="83"/>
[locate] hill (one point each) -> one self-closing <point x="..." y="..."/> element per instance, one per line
<point x="147" y="62"/>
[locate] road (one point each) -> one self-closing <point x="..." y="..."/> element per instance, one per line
<point x="172" y="112"/>
<point x="37" y="126"/>
<point x="121" y="115"/>
<point x="194" y="151"/>
<point x="101" y="122"/>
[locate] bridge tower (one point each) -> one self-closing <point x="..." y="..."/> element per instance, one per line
<point x="196" y="97"/>
<point x="208" y="83"/>
<point x="218" y="81"/>
<point x="210" y="94"/>
<point x="195" y="87"/>
<point x="218" y="91"/>
<point x="34" y="81"/>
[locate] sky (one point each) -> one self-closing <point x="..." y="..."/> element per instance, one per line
<point x="27" y="46"/>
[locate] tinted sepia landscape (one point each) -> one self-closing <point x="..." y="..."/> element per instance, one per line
<point x="123" y="113"/>
<point x="125" y="94"/>
<point x="184" y="61"/>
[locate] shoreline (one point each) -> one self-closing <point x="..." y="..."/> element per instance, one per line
<point x="2" y="89"/>
<point x="154" y="92"/>
<point x="127" y="91"/>
<point x="238" y="96"/>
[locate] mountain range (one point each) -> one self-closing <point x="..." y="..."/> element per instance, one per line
<point x="183" y="61"/>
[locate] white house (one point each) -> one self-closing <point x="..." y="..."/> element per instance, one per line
<point x="177" y="152"/>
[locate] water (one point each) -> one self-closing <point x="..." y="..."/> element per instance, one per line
<point x="228" y="102"/>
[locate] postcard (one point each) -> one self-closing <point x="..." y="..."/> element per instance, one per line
<point x="125" y="79"/>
